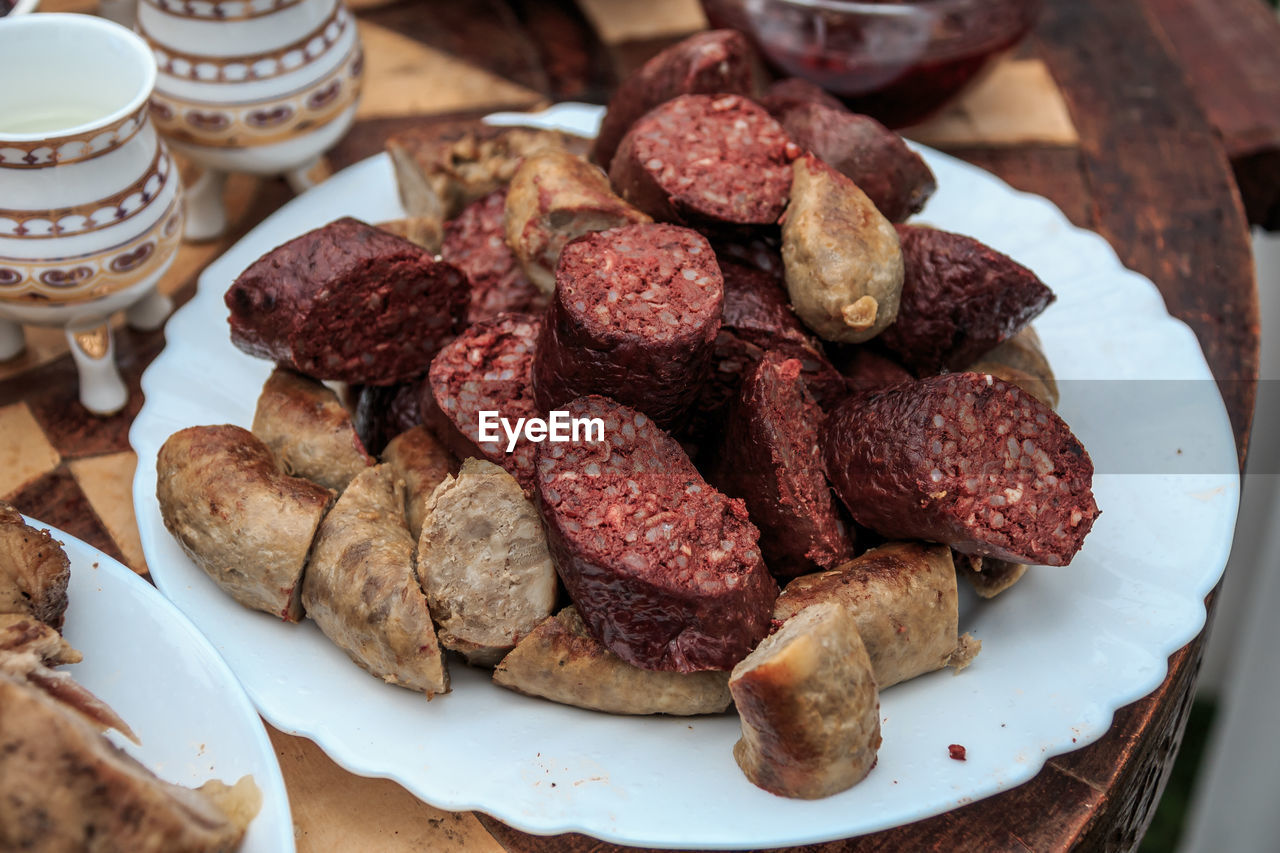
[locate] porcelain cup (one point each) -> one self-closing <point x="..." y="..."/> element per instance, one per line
<point x="91" y="209"/>
<point x="257" y="86"/>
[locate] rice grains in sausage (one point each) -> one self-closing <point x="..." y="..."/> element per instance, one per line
<point x="476" y="243"/>
<point x="719" y="161"/>
<point x="966" y="460"/>
<point x="771" y="457"/>
<point x="347" y="302"/>
<point x="488" y="368"/>
<point x="665" y="570"/>
<point x="959" y="300"/>
<point x="711" y="62"/>
<point x="634" y="316"/>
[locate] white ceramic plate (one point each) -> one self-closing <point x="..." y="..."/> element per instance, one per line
<point x="1061" y="651"/>
<point x="148" y="662"/>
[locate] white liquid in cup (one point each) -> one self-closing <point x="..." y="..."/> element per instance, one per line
<point x="52" y="118"/>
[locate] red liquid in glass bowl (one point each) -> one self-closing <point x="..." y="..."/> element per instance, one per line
<point x="897" y="61"/>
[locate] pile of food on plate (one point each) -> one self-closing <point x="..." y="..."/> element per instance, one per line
<point x="63" y="785"/>
<point x="779" y="382"/>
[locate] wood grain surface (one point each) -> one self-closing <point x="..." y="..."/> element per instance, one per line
<point x="1103" y="112"/>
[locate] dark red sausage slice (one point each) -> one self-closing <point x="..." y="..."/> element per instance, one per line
<point x="384" y="411"/>
<point x="790" y="92"/>
<point x="666" y="571"/>
<point x="867" y="370"/>
<point x="756" y="319"/>
<point x="966" y="460"/>
<point x="712" y="160"/>
<point x="875" y="158"/>
<point x="634" y="316"/>
<point x="476" y="243"/>
<point x="347" y="302"/>
<point x="488" y="367"/>
<point x="707" y="63"/>
<point x="771" y="457"/>
<point x="960" y="299"/>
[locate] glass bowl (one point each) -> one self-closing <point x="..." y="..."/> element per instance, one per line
<point x="897" y="61"/>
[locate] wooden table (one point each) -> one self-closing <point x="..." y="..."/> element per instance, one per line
<point x="1095" y="113"/>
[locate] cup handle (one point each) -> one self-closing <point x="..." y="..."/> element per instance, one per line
<point x="206" y="212"/>
<point x="309" y="174"/>
<point x="102" y="391"/>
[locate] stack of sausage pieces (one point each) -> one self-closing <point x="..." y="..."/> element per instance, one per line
<point x="782" y="374"/>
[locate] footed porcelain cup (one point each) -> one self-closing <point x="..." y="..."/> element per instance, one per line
<point x="257" y="86"/>
<point x="90" y="201"/>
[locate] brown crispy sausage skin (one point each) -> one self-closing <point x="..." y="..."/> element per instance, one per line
<point x="809" y="708"/>
<point x="561" y="661"/>
<point x="555" y="197"/>
<point x="247" y="524"/>
<point x="361" y="590"/>
<point x="902" y="596"/>
<point x="309" y="431"/>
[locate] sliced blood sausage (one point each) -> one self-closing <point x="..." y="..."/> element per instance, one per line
<point x="347" y="302"/>
<point x="634" y="316"/>
<point x="967" y="460"/>
<point x="710" y="62"/>
<point x="809" y="707"/>
<point x="960" y="299"/>
<point x="761" y="252"/>
<point x="488" y="368"/>
<point x="756" y="319"/>
<point x="871" y="155"/>
<point x="844" y="267"/>
<point x="554" y="197"/>
<point x="718" y="161"/>
<point x="476" y="243"/>
<point x="384" y="411"/>
<point x="665" y="570"/>
<point x="868" y="370"/>
<point x="771" y="457"/>
<point x="782" y="95"/>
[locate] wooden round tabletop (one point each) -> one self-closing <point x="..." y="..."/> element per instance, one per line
<point x="1095" y="112"/>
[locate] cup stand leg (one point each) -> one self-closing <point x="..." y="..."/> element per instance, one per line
<point x="149" y="312"/>
<point x="12" y="341"/>
<point x="307" y="175"/>
<point x="206" y="213"/>
<point x="102" y="391"/>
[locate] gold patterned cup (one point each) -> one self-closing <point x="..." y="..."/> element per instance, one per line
<point x="90" y="201"/>
<point x="256" y="86"/>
